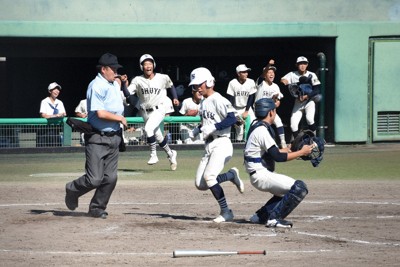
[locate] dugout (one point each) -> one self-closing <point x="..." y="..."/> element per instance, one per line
<point x="32" y="63"/>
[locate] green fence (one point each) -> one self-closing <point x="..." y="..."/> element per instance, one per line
<point x="40" y="132"/>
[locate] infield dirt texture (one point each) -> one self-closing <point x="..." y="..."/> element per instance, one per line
<point x="351" y="216"/>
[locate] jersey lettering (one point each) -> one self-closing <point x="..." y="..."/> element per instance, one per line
<point x="242" y="93"/>
<point x="149" y="91"/>
<point x="207" y="115"/>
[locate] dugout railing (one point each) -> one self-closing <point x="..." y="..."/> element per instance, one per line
<point x="40" y="132"/>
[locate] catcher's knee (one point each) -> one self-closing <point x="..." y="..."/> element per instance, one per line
<point x="299" y="190"/>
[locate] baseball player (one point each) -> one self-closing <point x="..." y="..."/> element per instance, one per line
<point x="151" y="89"/>
<point x="217" y="117"/>
<point x="239" y="91"/>
<point x="306" y="98"/>
<point x="260" y="155"/>
<point x="267" y="88"/>
<point x="190" y="107"/>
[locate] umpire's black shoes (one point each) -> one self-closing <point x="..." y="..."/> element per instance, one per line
<point x="71" y="200"/>
<point x="98" y="213"/>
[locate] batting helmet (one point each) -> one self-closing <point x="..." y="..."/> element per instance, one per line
<point x="263" y="106"/>
<point x="146" y="57"/>
<point x="200" y="75"/>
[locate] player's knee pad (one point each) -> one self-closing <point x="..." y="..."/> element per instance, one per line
<point x="290" y="201"/>
<point x="299" y="190"/>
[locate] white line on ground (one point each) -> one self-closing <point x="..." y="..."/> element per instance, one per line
<point x="81" y="253"/>
<point x="349" y="240"/>
<point x="206" y="203"/>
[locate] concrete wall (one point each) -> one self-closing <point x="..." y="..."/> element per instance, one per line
<point x="352" y="23"/>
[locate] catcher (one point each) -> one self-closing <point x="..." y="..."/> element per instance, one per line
<point x="260" y="154"/>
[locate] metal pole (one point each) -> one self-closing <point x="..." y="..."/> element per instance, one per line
<point x="322" y="70"/>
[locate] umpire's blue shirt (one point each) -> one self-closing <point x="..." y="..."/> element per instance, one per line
<point x="103" y="95"/>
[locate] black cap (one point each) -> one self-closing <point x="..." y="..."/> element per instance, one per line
<point x="109" y="60"/>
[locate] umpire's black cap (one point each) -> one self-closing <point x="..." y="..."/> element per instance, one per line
<point x="109" y="60"/>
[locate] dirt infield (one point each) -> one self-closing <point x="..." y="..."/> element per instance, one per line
<point x="341" y="223"/>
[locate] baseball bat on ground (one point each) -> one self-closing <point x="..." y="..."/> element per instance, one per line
<point x="204" y="253"/>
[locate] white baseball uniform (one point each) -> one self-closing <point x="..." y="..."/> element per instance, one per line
<point x="299" y="107"/>
<point x="264" y="90"/>
<point x="154" y="102"/>
<point x="259" y="141"/>
<point x="218" y="147"/>
<point x="241" y="93"/>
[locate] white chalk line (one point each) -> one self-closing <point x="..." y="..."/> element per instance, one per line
<point x="104" y="253"/>
<point x="88" y="253"/>
<point x="357" y="241"/>
<point x="76" y="174"/>
<point x="207" y="203"/>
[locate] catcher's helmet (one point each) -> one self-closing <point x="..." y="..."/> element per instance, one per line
<point x="263" y="106"/>
<point x="146" y="57"/>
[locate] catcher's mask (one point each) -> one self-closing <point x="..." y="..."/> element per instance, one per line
<point x="308" y="138"/>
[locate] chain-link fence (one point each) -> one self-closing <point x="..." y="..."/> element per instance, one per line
<point x="24" y="132"/>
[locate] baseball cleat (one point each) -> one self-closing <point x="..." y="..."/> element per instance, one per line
<point x="173" y="161"/>
<point x="153" y="160"/>
<point x="274" y="223"/>
<point x="225" y="216"/>
<point x="236" y="180"/>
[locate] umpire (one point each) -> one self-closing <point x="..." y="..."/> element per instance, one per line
<point x="105" y="109"/>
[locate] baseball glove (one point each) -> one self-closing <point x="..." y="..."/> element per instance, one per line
<point x="307" y="137"/>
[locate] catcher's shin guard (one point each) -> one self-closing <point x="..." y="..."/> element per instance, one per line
<point x="290" y="201"/>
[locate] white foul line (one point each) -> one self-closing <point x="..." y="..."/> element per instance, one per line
<point x="349" y="240"/>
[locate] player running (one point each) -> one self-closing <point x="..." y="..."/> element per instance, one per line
<point x="151" y="88"/>
<point x="217" y="117"/>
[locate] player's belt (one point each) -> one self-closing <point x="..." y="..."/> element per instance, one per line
<point x="254" y="160"/>
<point x="150" y="109"/>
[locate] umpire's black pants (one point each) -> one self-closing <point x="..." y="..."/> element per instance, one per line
<point x="101" y="170"/>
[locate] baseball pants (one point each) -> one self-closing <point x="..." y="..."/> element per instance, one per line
<point x="217" y="154"/>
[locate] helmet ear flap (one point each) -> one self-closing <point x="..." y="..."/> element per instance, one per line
<point x="210" y="83"/>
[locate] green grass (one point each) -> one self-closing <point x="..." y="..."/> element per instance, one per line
<point x="340" y="162"/>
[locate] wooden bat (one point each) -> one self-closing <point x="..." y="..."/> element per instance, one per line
<point x="204" y="253"/>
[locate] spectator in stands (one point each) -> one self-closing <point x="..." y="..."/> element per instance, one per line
<point x="51" y="106"/>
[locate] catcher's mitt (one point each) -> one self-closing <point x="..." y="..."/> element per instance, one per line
<point x="294" y="89"/>
<point x="309" y="138"/>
